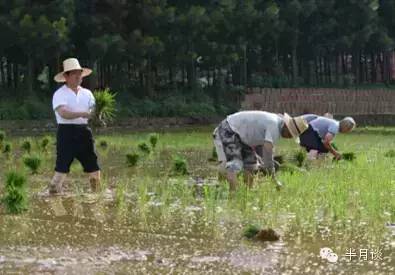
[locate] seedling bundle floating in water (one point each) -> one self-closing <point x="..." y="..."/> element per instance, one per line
<point x="253" y="232"/>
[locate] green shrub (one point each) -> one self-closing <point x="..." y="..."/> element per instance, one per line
<point x="15" y="198"/>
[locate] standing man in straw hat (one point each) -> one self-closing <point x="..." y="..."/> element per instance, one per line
<point x="240" y="134"/>
<point x="73" y="105"/>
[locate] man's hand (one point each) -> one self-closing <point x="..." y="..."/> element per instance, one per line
<point x="338" y="156"/>
<point x="86" y="114"/>
<point x="278" y="183"/>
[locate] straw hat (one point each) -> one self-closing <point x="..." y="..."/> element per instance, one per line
<point x="71" y="64"/>
<point x="296" y="125"/>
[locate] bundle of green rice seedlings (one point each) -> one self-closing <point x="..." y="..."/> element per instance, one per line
<point x="15" y="195"/>
<point x="300" y="157"/>
<point x="26" y="146"/>
<point x="44" y="143"/>
<point x="132" y="159"/>
<point x="153" y="139"/>
<point x="350" y="156"/>
<point x="104" y="107"/>
<point x="180" y="165"/>
<point x="144" y="148"/>
<point x="214" y="156"/>
<point x="103" y="143"/>
<point x="7" y="148"/>
<point x="33" y="162"/>
<point x="253" y="232"/>
<point x="2" y="136"/>
<point x="250" y="231"/>
<point x="390" y="154"/>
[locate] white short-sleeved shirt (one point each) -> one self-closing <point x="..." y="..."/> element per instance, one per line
<point x="256" y="127"/>
<point x="82" y="101"/>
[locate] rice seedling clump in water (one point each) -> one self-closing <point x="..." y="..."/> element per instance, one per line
<point x="214" y="156"/>
<point x="251" y="231"/>
<point x="180" y="165"/>
<point x="153" y="139"/>
<point x="33" y="163"/>
<point x="350" y="156"/>
<point x="26" y="146"/>
<point x="390" y="154"/>
<point x="103" y="144"/>
<point x="2" y="136"/>
<point x="144" y="148"/>
<point x="254" y="232"/>
<point x="44" y="143"/>
<point x="15" y="198"/>
<point x="300" y="157"/>
<point x="7" y="148"/>
<point x="132" y="159"/>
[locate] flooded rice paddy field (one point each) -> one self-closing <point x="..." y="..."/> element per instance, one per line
<point x="149" y="219"/>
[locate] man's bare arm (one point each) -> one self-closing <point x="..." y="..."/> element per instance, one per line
<point x="327" y="143"/>
<point x="66" y="113"/>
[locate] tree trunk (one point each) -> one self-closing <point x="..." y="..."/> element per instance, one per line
<point x="373" y="71"/>
<point x="16" y="75"/>
<point x="245" y="65"/>
<point x="149" y="79"/>
<point x="295" y="72"/>
<point x="337" y="73"/>
<point x="2" y="72"/>
<point x="29" y="79"/>
<point x="9" y="77"/>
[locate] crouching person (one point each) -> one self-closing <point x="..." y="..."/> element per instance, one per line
<point x="321" y="132"/>
<point x="236" y="137"/>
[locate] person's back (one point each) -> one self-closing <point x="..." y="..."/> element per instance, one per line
<point x="256" y="127"/>
<point x="323" y="125"/>
<point x="310" y="117"/>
